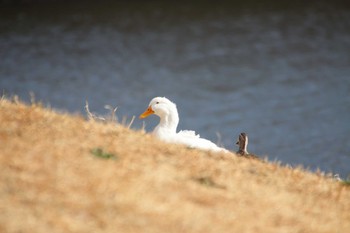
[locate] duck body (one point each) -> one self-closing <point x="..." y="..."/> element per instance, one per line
<point x="166" y="130"/>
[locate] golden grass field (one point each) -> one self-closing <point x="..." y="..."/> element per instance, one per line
<point x="62" y="173"/>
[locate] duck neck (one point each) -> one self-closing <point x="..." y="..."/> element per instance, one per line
<point x="169" y="121"/>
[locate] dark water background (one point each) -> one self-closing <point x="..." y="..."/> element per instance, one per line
<point x="279" y="72"/>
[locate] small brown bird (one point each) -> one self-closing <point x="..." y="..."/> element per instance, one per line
<point x="243" y="144"/>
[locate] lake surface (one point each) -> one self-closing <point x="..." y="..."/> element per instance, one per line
<point x="279" y="73"/>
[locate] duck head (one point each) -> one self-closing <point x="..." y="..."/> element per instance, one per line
<point x="161" y="107"/>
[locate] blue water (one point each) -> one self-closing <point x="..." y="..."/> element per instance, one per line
<point x="280" y="74"/>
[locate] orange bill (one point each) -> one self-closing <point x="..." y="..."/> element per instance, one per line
<point x="148" y="112"/>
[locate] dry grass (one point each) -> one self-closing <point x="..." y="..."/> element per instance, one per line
<point x="57" y="175"/>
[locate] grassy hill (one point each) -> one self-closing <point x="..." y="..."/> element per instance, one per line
<point x="61" y="173"/>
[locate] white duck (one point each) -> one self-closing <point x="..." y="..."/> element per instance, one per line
<point x="169" y="119"/>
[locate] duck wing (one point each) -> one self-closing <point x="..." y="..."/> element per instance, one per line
<point x="188" y="134"/>
<point x="193" y="140"/>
